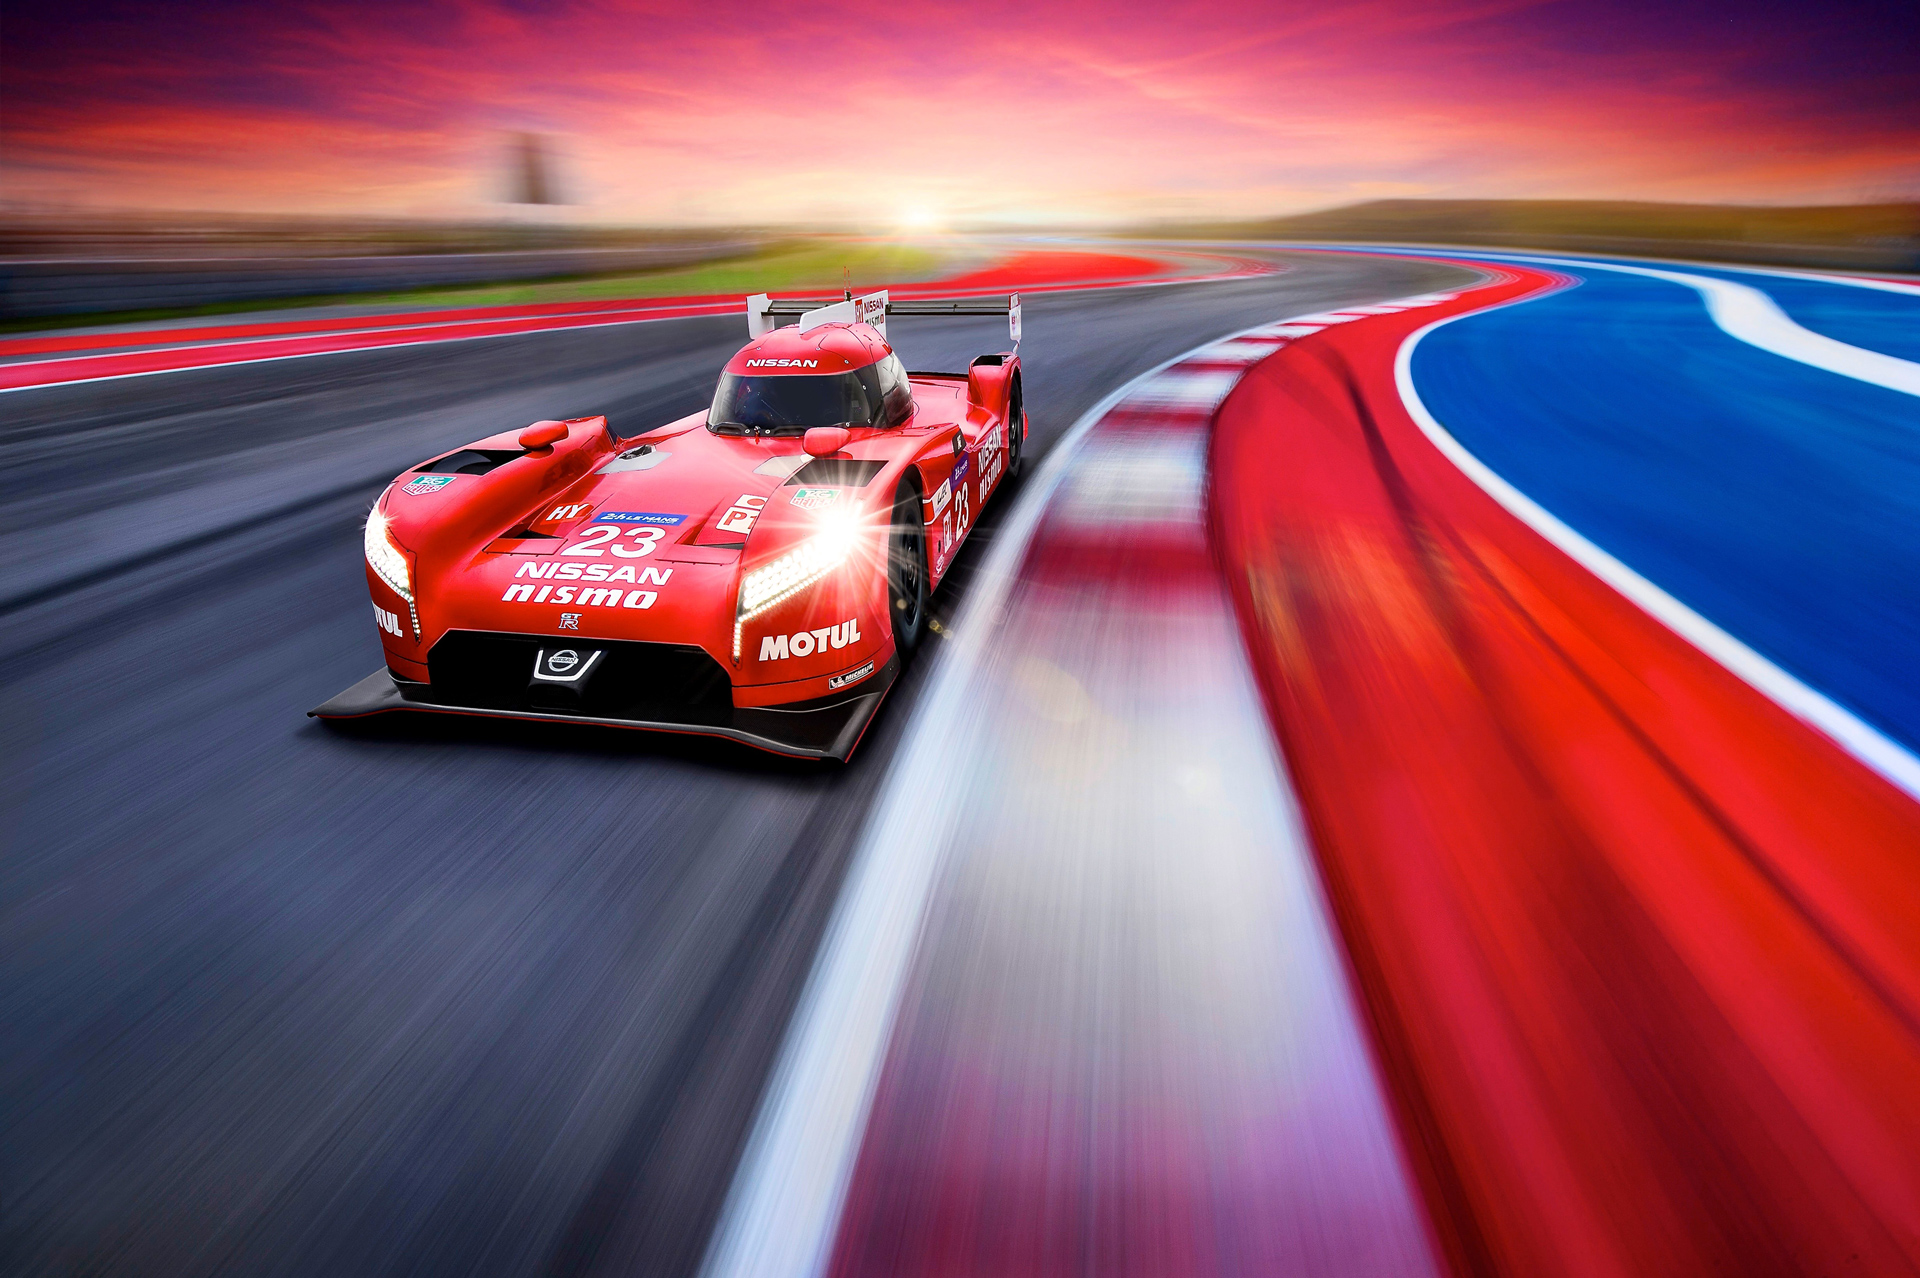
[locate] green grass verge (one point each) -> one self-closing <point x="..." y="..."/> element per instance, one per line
<point x="801" y="266"/>
<point x="779" y="268"/>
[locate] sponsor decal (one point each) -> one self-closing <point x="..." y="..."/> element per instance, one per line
<point x="815" y="498"/>
<point x="959" y="444"/>
<point x="428" y="484"/>
<point x="783" y="363"/>
<point x="561" y="513"/>
<point x="740" y="516"/>
<point x="961" y="467"/>
<point x="946" y="532"/>
<point x="639" y="517"/>
<point x="808" y="642"/>
<point x="595" y="572"/>
<point x="569" y="621"/>
<point x="579" y="597"/>
<point x="993" y="461"/>
<point x="852" y="676"/>
<point x="941" y="496"/>
<point x="387" y="621"/>
<point x="622" y="541"/>
<point x="871" y="309"/>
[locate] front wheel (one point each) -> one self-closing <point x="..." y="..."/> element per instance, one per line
<point x="907" y="572"/>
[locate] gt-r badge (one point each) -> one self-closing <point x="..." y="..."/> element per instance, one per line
<point x="815" y="498"/>
<point x="569" y="621"/>
<point x="428" y="484"/>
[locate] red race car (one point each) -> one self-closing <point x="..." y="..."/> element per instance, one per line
<point x="757" y="571"/>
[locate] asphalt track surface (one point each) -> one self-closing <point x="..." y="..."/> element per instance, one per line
<point x="437" y="997"/>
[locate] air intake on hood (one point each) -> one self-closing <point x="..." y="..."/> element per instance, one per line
<point x="469" y="461"/>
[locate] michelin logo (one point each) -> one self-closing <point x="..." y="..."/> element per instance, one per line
<point x="808" y="642"/>
<point x="840" y="681"/>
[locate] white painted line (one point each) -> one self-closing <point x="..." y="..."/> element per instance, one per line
<point x="1241" y="348"/>
<point x="1326" y="317"/>
<point x="1852" y="281"/>
<point x="344" y="350"/>
<point x="783" y="1208"/>
<point x="1750" y="316"/>
<point x="1858" y="738"/>
<point x="1185" y="389"/>
<point x="693" y="310"/>
<point x="1812" y="276"/>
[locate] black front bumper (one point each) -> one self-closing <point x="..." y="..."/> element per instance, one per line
<point x="651" y="687"/>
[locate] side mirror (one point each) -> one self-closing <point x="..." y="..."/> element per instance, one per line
<point x="541" y="434"/>
<point x="987" y="384"/>
<point x="825" y="441"/>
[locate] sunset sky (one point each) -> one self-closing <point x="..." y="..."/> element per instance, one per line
<point x="929" y="114"/>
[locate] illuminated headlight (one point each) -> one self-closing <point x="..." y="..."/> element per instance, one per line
<point x="773" y="584"/>
<point x="385" y="558"/>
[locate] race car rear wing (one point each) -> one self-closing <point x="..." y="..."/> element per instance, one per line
<point x="872" y="308"/>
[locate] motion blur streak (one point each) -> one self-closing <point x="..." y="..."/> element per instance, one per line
<point x="442" y="999"/>
<point x="1635" y="941"/>
<point x="174" y="349"/>
<point x="1126" y="1042"/>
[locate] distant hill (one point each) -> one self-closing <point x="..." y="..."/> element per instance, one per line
<point x="1862" y="236"/>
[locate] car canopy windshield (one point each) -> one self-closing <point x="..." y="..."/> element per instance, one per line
<point x="790" y="404"/>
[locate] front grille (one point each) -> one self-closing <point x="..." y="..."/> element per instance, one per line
<point x="657" y="682"/>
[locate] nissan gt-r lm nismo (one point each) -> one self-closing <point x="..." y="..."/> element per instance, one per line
<point x="757" y="571"/>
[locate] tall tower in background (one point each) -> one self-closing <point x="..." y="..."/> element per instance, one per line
<point x="530" y="177"/>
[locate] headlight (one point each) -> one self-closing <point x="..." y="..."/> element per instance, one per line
<point x="385" y="558"/>
<point x="773" y="584"/>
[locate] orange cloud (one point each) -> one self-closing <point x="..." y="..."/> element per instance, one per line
<point x="734" y="113"/>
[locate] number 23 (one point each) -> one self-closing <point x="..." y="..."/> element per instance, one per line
<point x="602" y="534"/>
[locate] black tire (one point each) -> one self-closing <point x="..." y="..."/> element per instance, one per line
<point x="1016" y="428"/>
<point x="907" y="572"/>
